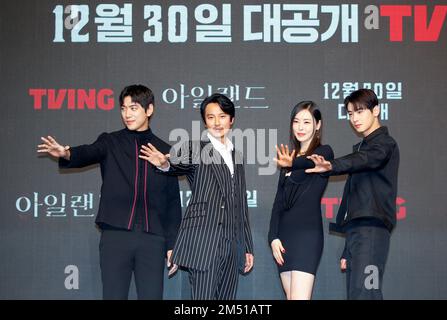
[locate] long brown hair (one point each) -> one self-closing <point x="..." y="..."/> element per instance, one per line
<point x="316" y="115"/>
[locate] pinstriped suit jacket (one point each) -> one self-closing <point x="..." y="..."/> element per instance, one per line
<point x="201" y="227"/>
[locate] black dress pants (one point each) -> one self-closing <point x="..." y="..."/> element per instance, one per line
<point x="123" y="253"/>
<point x="366" y="254"/>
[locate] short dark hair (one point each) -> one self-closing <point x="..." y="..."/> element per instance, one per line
<point x="316" y="114"/>
<point x="139" y="94"/>
<point x="362" y="99"/>
<point x="223" y="101"/>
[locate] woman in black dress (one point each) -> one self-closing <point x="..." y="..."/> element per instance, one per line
<point x="296" y="230"/>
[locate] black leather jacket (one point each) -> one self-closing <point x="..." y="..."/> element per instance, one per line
<point x="371" y="188"/>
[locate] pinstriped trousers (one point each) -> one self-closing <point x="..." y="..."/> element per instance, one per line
<point x="220" y="281"/>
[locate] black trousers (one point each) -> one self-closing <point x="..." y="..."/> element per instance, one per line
<point x="124" y="252"/>
<point x="367" y="251"/>
<point x="220" y="281"/>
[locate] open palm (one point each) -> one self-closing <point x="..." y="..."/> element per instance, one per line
<point x="151" y="154"/>
<point x="284" y="157"/>
<point x="52" y="147"/>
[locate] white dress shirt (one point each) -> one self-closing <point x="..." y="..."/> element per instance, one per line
<point x="225" y="150"/>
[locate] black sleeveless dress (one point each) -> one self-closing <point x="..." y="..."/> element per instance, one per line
<point x="296" y="215"/>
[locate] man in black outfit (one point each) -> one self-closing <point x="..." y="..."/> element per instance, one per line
<point x="139" y="211"/>
<point x="367" y="213"/>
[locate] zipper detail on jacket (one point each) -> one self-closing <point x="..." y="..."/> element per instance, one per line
<point x="145" y="202"/>
<point x="136" y="186"/>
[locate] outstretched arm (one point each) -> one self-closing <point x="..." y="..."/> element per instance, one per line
<point x="286" y="159"/>
<point x="372" y="158"/>
<point x="321" y="164"/>
<point x="85" y="155"/>
<point x="303" y="163"/>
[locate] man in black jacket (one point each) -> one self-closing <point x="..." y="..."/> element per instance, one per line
<point x="367" y="214"/>
<point x="139" y="211"/>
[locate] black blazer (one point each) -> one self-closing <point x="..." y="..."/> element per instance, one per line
<point x="124" y="176"/>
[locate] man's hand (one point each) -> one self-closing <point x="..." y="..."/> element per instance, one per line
<point x="284" y="158"/>
<point x="277" y="251"/>
<point x="321" y="165"/>
<point x="249" y="261"/>
<point x="151" y="154"/>
<point x="53" y="148"/>
<point x="172" y="267"/>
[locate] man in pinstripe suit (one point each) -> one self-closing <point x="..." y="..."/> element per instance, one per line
<point x="214" y="242"/>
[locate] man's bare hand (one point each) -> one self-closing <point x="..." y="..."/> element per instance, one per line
<point x="53" y="148"/>
<point x="151" y="154"/>
<point x="321" y="164"/>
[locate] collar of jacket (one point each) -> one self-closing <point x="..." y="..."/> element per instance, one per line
<point x="148" y="133"/>
<point x="377" y="132"/>
<point x="383" y="130"/>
